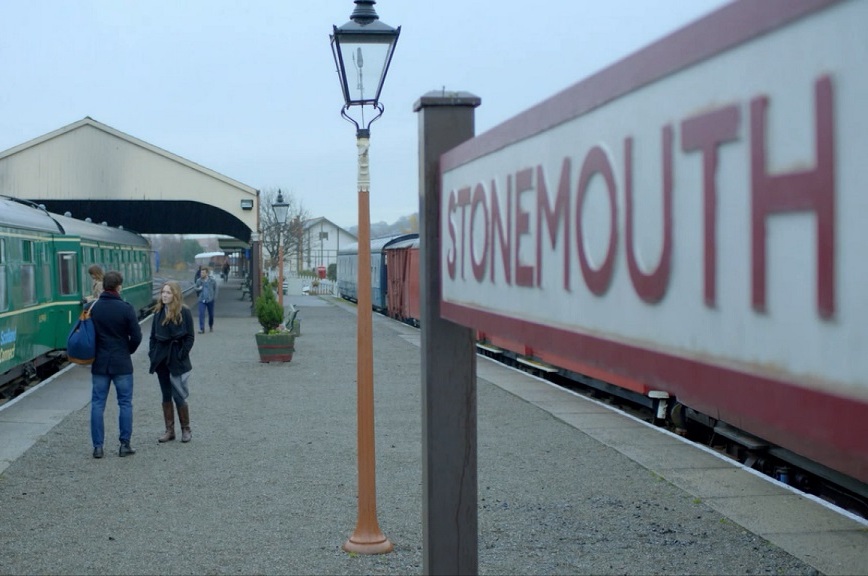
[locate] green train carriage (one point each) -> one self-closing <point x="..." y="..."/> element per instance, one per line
<point x="43" y="281"/>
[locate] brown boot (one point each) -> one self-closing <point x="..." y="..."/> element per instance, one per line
<point x="169" y="417"/>
<point x="184" y="417"/>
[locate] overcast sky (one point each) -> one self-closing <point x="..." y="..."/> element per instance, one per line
<point x="248" y="88"/>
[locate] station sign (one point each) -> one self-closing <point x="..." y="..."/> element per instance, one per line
<point x="696" y="212"/>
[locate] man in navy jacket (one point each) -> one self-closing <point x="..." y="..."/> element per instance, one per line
<point x="118" y="335"/>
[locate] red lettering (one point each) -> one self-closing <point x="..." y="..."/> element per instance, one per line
<point x="451" y="252"/>
<point x="503" y="236"/>
<point x="803" y="191"/>
<point x="552" y="219"/>
<point x="706" y="133"/>
<point x="651" y="286"/>
<point x="596" y="162"/>
<point x="523" y="183"/>
<point x="463" y="202"/>
<point x="477" y="203"/>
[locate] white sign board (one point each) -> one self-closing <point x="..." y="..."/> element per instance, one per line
<point x="695" y="213"/>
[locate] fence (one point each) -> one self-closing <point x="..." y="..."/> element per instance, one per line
<point x="294" y="284"/>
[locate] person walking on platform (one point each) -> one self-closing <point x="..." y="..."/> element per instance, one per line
<point x="206" y="288"/>
<point x="118" y="335"/>
<point x="169" y="350"/>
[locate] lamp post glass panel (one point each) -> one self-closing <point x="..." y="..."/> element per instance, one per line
<point x="281" y="210"/>
<point x="362" y="49"/>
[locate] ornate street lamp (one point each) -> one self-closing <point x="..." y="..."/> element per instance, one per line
<point x="281" y="210"/>
<point x="363" y="49"/>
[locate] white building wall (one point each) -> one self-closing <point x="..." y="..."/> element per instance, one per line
<point x="322" y="240"/>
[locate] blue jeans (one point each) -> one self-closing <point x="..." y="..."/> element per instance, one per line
<point x="202" y="307"/>
<point x="124" y="391"/>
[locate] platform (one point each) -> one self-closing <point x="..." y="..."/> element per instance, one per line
<point x="268" y="483"/>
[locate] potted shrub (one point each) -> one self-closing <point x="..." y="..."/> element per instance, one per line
<point x="275" y="343"/>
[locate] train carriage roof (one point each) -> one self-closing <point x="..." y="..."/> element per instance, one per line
<point x="402" y="244"/>
<point x="378" y="244"/>
<point x="14" y="214"/>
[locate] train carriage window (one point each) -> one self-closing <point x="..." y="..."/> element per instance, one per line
<point x="28" y="273"/>
<point x="4" y="299"/>
<point x="43" y="260"/>
<point x="44" y="281"/>
<point x="28" y="284"/>
<point x="67" y="264"/>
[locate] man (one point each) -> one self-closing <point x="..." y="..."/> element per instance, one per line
<point x="206" y="288"/>
<point x="118" y="335"/>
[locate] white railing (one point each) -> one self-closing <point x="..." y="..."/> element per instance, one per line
<point x="294" y="284"/>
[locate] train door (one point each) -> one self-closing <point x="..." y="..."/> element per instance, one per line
<point x="66" y="289"/>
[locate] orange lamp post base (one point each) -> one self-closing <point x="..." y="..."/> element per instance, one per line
<point x="368" y="544"/>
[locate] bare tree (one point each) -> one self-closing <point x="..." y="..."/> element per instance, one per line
<point x="288" y="233"/>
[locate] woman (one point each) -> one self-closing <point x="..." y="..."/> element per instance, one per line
<point x="171" y="341"/>
<point x="96" y="277"/>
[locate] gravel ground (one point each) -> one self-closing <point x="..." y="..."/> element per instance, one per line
<point x="268" y="484"/>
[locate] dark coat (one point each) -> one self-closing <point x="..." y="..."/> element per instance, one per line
<point x="171" y="343"/>
<point x="118" y="335"/>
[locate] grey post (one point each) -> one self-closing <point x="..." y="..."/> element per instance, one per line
<point x="449" y="491"/>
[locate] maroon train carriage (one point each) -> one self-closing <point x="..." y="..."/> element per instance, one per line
<point x="402" y="263"/>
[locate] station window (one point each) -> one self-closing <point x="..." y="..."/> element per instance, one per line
<point x="67" y="264"/>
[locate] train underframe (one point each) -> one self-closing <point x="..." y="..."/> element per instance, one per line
<point x="17" y="380"/>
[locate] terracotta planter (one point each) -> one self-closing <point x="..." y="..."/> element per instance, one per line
<point x="275" y="347"/>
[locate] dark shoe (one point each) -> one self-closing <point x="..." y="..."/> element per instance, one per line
<point x="97" y="452"/>
<point x="210" y="328"/>
<point x="125" y="450"/>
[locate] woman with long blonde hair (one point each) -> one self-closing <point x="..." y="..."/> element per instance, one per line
<point x="96" y="277"/>
<point x="171" y="340"/>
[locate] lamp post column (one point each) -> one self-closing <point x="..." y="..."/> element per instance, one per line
<point x="281" y="210"/>
<point x="367" y="538"/>
<point x="280" y="268"/>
